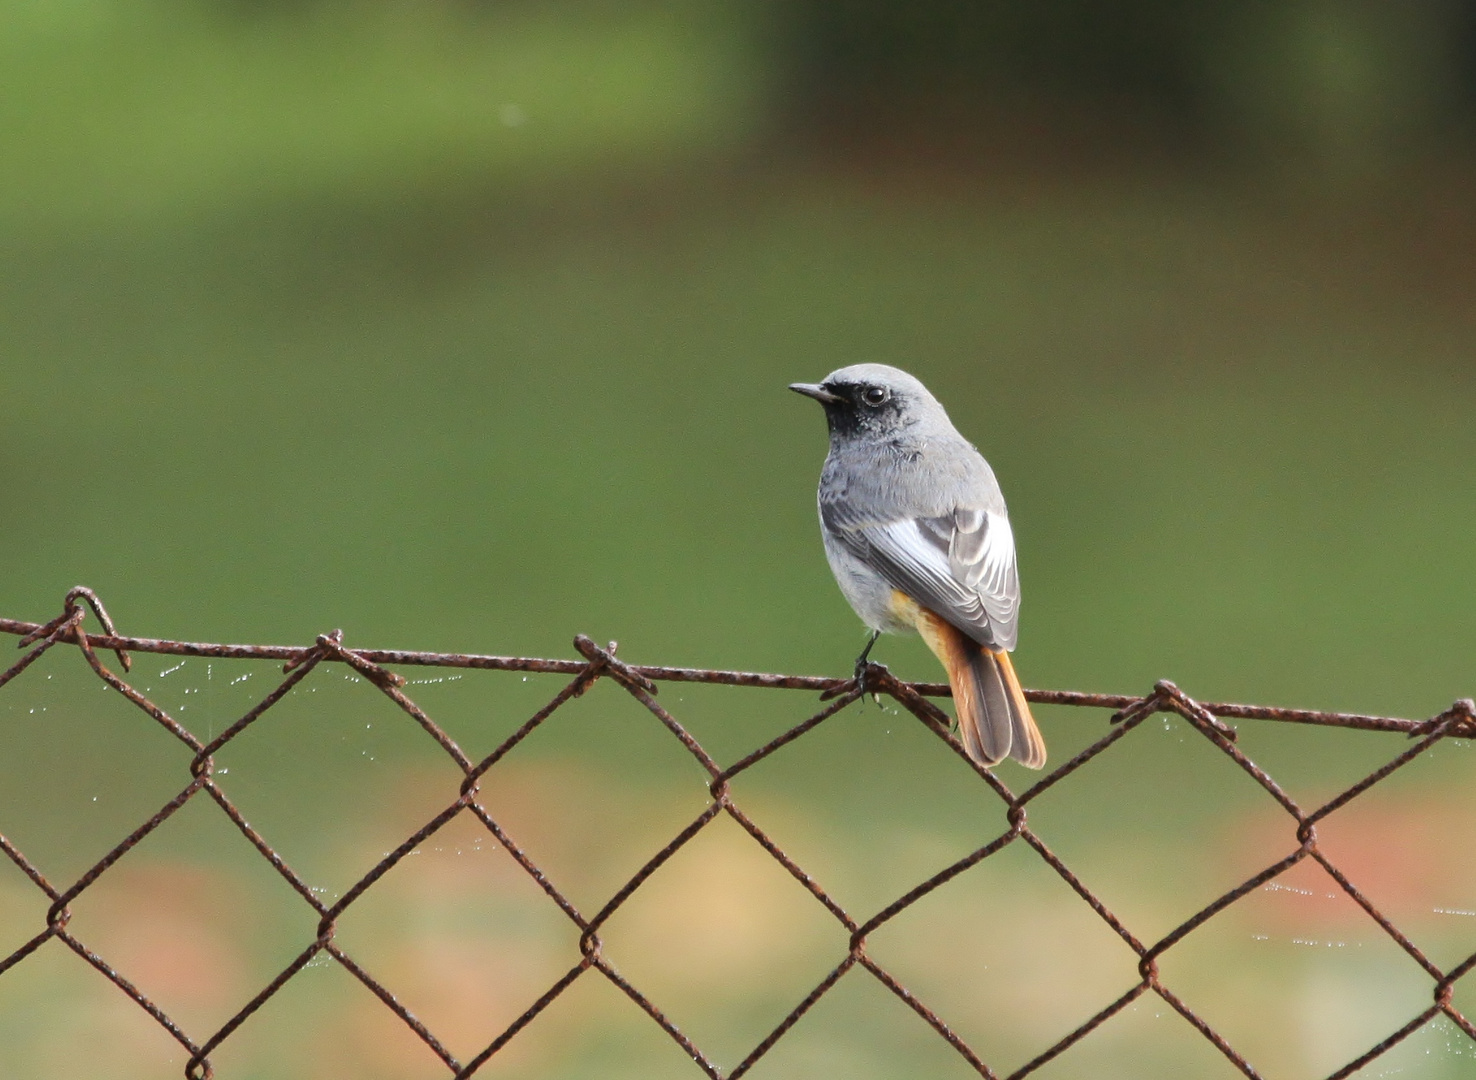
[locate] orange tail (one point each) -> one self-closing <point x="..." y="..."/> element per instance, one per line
<point x="993" y="715"/>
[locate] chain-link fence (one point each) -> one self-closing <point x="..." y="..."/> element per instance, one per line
<point x="1127" y="713"/>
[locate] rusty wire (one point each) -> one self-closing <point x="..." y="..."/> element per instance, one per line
<point x="1459" y="721"/>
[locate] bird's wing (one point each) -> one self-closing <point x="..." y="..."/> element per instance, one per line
<point x="959" y="565"/>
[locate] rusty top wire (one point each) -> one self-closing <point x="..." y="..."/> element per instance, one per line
<point x="297" y="653"/>
<point x="640" y="682"/>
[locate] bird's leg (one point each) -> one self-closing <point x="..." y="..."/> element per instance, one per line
<point x="860" y="677"/>
<point x="862" y="666"/>
<point x="861" y="660"/>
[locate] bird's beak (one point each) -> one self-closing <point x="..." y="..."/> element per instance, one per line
<point x="816" y="391"/>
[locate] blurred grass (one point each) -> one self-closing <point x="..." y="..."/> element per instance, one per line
<point x="297" y="330"/>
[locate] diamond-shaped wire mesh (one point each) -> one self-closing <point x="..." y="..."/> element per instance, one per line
<point x="202" y="783"/>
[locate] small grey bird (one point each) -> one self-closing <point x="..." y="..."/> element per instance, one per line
<point x="918" y="538"/>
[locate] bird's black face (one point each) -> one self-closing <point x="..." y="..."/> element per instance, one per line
<point x="855" y="408"/>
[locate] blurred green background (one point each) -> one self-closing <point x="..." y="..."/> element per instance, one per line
<point x="466" y="325"/>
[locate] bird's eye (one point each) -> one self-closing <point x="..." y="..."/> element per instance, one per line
<point x="875" y="395"/>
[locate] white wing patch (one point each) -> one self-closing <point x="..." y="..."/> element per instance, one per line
<point x="987" y="565"/>
<point x="966" y="574"/>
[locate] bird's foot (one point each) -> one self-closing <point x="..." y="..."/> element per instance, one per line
<point x="869" y="679"/>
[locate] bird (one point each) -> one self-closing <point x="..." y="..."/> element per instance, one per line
<point x="918" y="537"/>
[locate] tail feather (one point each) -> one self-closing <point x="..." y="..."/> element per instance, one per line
<point x="993" y="715"/>
<point x="1027" y="745"/>
<point x="984" y="711"/>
